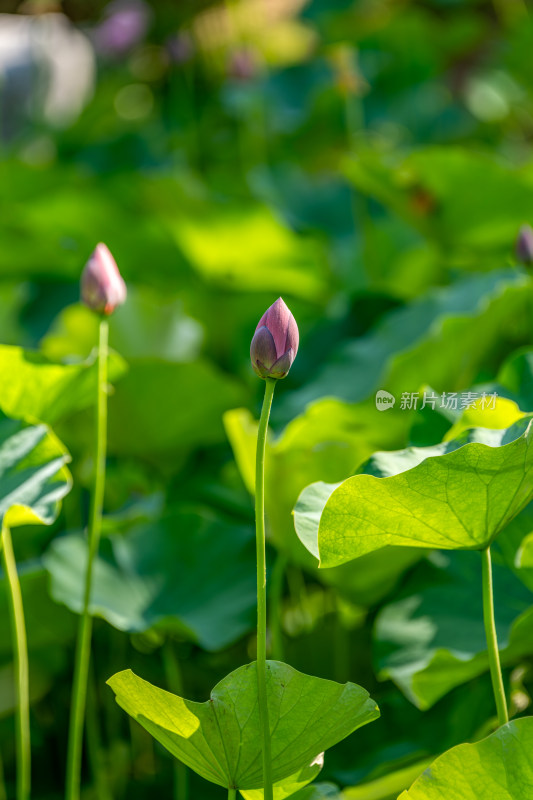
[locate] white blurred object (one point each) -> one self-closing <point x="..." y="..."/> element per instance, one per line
<point x="47" y="70"/>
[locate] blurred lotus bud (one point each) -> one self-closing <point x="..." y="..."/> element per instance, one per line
<point x="348" y="77"/>
<point x="102" y="285"/>
<point x="180" y="47"/>
<point x="524" y="244"/>
<point x="243" y="65"/>
<point x="275" y="342"/>
<point x="125" y="26"/>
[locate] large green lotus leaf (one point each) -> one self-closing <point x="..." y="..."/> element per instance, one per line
<point x="376" y="179"/>
<point x="312" y="501"/>
<point x="455" y="495"/>
<point x="365" y="580"/>
<point x="189" y="572"/>
<point x="62" y="208"/>
<point x="149" y="325"/>
<point x="328" y="440"/>
<point x="289" y="787"/>
<point x="45" y="390"/>
<point x="449" y="179"/>
<point x="33" y="475"/>
<point x="499" y="767"/>
<point x="398" y="355"/>
<point x="453" y="176"/>
<point x="220" y="739"/>
<point x="162" y="406"/>
<point x="432" y="638"/>
<point x="282" y="260"/>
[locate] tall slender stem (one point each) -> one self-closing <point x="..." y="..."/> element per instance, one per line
<point x="83" y="646"/>
<point x="232" y="794"/>
<point x="492" y="640"/>
<point x="270" y="384"/>
<point x="20" y="659"/>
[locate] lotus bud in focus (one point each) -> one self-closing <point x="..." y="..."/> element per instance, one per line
<point x="275" y="342"/>
<point x="524" y="244"/>
<point x="102" y="285"/>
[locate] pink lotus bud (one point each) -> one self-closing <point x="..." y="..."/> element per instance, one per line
<point x="275" y="342"/>
<point x="524" y="244"/>
<point x="102" y="285"/>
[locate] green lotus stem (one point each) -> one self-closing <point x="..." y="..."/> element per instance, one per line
<point x="232" y="794"/>
<point x="270" y="384"/>
<point x="492" y="640"/>
<point x="20" y="660"/>
<point x="83" y="646"/>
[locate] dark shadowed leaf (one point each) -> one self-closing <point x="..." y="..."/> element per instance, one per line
<point x="432" y="638"/>
<point x="188" y="572"/>
<point x="162" y="406"/>
<point x="399" y="353"/>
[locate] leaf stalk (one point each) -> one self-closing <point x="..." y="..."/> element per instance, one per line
<point x="492" y="639"/>
<point x="270" y="385"/>
<point x="83" y="645"/>
<point x="20" y="660"/>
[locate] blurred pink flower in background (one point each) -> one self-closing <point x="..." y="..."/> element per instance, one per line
<point x="180" y="47"/>
<point x="125" y="25"/>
